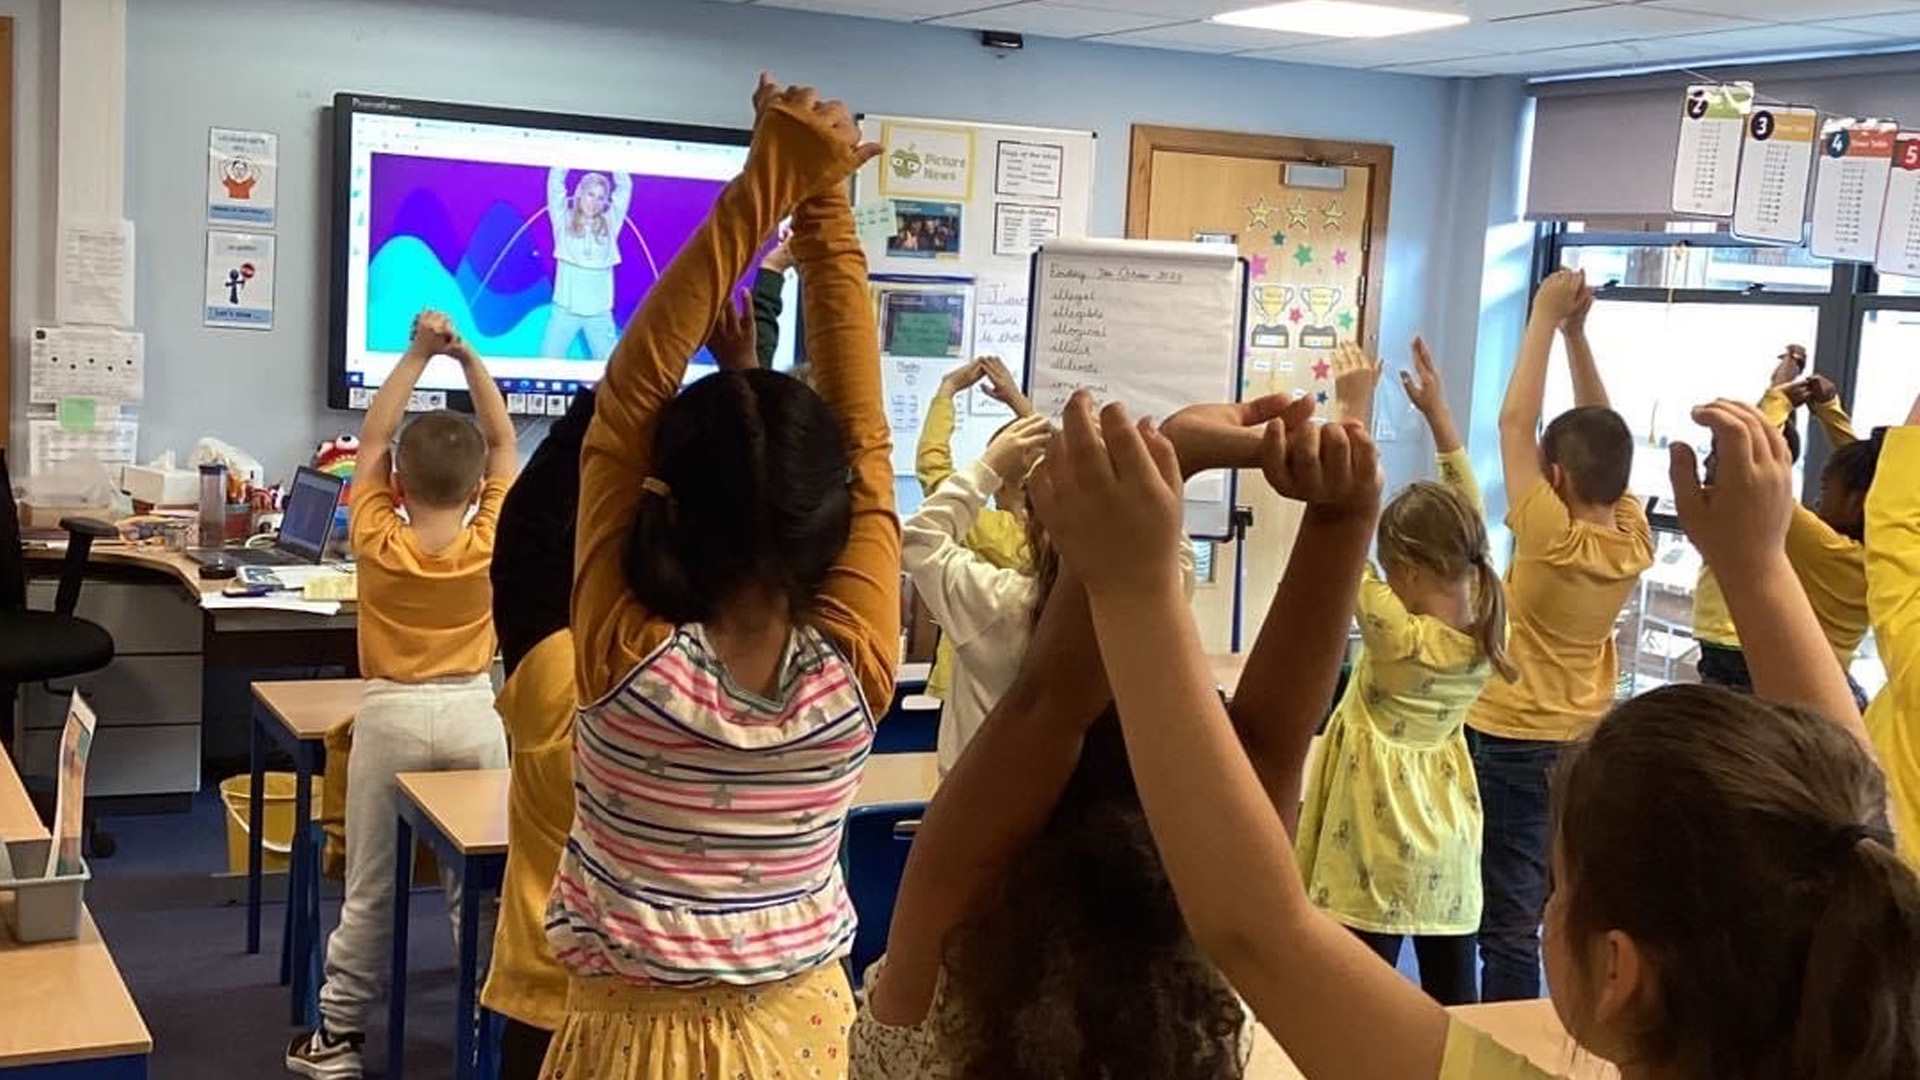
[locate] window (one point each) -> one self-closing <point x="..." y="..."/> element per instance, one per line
<point x="1888" y="374"/>
<point x="1686" y="255"/>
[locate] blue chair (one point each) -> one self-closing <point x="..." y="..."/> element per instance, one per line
<point x="908" y="730"/>
<point x="873" y="856"/>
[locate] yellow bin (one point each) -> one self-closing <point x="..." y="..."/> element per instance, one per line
<point x="276" y="819"/>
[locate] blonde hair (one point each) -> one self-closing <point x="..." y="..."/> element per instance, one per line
<point x="576" y="220"/>
<point x="1429" y="526"/>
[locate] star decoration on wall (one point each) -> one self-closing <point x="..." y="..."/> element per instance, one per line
<point x="1340" y="257"/>
<point x="1333" y="215"/>
<point x="1297" y="215"/>
<point x="1279" y="239"/>
<point x="1295" y="316"/>
<point x="1303" y="255"/>
<point x="1321" y="369"/>
<point x="1346" y="320"/>
<point x="1257" y="265"/>
<point x="1260" y="214"/>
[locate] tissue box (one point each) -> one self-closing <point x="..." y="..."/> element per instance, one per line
<point x="161" y="487"/>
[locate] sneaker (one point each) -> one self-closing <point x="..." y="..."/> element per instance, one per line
<point x="325" y="1056"/>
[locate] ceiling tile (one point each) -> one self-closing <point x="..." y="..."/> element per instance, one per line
<point x="1752" y="42"/>
<point x="1206" y="37"/>
<point x="1049" y="19"/>
<point x="897" y="10"/>
<point x="1169" y="11"/>
<point x="1898" y="27"/>
<point x="1566" y="29"/>
<point x="1373" y="52"/>
<point x="1789" y="10"/>
<point x="1555" y="61"/>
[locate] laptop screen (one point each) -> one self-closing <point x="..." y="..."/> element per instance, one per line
<point x="307" y="522"/>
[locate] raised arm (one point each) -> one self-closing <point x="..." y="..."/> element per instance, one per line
<point x="1355" y="378"/>
<point x="964" y="592"/>
<point x="799" y="147"/>
<point x="859" y="603"/>
<point x="432" y="335"/>
<point x="490" y="411"/>
<point x="1112" y="501"/>
<point x="1587" y="388"/>
<point x="1004" y="388"/>
<point x="769" y="287"/>
<point x="995" y="800"/>
<point x="933" y="454"/>
<point x="622" y="198"/>
<point x="557" y="196"/>
<point x="1527" y="387"/>
<point x="1823" y="401"/>
<point x="1740" y="523"/>
<point x="1429" y="395"/>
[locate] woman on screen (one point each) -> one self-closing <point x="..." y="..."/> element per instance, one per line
<point x="586" y="248"/>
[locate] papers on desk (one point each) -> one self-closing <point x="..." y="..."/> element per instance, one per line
<point x="213" y="601"/>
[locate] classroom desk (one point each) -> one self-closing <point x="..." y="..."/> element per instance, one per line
<point x="67" y="1013"/>
<point x="1528" y="1027"/>
<point x="891" y="778"/>
<point x="294" y="716"/>
<point x="186" y="573"/>
<point x="462" y="816"/>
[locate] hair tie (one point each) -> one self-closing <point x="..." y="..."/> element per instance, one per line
<point x="1842" y="840"/>
<point x="656" y="486"/>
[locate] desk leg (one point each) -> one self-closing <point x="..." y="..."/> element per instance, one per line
<point x="397" y="984"/>
<point x="464" y="1015"/>
<point x="257" y="769"/>
<point x="299" y="869"/>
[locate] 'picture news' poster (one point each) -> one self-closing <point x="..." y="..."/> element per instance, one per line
<point x="1899" y="248"/>
<point x="1776" y="161"/>
<point x="1712" y="118"/>
<point x="239" y="280"/>
<point x="926" y="161"/>
<point x="242" y="177"/>
<point x="1850" y="187"/>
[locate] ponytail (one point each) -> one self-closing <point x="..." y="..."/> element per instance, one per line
<point x="1860" y="997"/>
<point x="1490" y="616"/>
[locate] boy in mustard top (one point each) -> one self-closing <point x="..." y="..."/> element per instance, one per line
<point x="1893" y="599"/>
<point x="426" y="647"/>
<point x="1580" y="543"/>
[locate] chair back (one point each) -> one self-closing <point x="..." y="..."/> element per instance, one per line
<point x="909" y="728"/>
<point x="873" y="858"/>
<point x="13" y="561"/>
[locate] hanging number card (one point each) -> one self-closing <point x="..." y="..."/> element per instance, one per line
<point x="1850" y="187"/>
<point x="1899" y="251"/>
<point x="1776" y="161"/>
<point x="1711" y="121"/>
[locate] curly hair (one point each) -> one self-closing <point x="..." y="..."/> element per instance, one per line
<point x="1080" y="965"/>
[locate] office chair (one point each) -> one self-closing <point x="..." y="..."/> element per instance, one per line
<point x="39" y="646"/>
<point x="873" y="859"/>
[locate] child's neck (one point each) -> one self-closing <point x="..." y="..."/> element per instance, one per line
<point x="749" y="633"/>
<point x="1592" y="513"/>
<point x="1450" y="602"/>
<point x="435" y="527"/>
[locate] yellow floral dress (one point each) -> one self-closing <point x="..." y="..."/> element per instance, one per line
<point x="1389" y="837"/>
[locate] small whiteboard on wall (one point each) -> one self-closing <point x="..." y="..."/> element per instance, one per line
<point x="1155" y="325"/>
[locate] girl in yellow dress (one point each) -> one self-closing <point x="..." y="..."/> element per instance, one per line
<point x="1389" y="839"/>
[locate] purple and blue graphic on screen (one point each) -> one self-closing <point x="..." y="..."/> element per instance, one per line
<point x="478" y="241"/>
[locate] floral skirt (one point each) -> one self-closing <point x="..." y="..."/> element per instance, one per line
<point x="795" y="1029"/>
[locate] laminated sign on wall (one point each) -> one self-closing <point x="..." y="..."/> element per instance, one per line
<point x="1776" y="161"/>
<point x="1712" y="118"/>
<point x="1851" y="187"/>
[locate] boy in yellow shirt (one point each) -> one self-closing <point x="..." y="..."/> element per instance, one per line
<point x="1580" y="543"/>
<point x="426" y="648"/>
<point x="1893" y="598"/>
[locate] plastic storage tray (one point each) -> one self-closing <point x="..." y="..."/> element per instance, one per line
<point x="44" y="909"/>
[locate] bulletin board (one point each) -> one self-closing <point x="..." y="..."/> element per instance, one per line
<point x="950" y="214"/>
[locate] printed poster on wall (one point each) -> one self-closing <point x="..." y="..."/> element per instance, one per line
<point x="926" y="161"/>
<point x="1850" y="187"/>
<point x="239" y="280"/>
<point x="1028" y="170"/>
<point x="242" y="177"/>
<point x="1018" y="229"/>
<point x="1899" y="249"/>
<point x="1711" y="120"/>
<point x="1776" y="161"/>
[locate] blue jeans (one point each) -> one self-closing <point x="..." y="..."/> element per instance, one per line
<point x="1513" y="776"/>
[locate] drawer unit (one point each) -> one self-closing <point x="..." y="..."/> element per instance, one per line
<point x="162" y="760"/>
<point x="131" y="691"/>
<point x="158" y="618"/>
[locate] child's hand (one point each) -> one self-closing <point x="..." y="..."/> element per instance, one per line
<point x="1334" y="468"/>
<point x="1002" y="388"/>
<point x="825" y="140"/>
<point x="963" y="377"/>
<point x="1913" y="414"/>
<point x="1422" y="384"/>
<point x="1231" y="435"/>
<point x="780" y="258"/>
<point x="1740" y="518"/>
<point x="731" y="341"/>
<point x="1575" y="320"/>
<point x="460" y="350"/>
<point x="1014" y="450"/>
<point x="433" y="334"/>
<point x="1812" y="390"/>
<point x="1109" y="493"/>
<point x="1355" y="377"/>
<point x="1793" y="361"/>
<point x="1559" y="295"/>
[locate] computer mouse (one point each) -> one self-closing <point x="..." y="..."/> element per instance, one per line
<point x="218" y="568"/>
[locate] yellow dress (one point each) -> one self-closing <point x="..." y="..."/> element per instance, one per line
<point x="1389" y="838"/>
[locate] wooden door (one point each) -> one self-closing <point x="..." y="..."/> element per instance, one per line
<point x="1316" y="254"/>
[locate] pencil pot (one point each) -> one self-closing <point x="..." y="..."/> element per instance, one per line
<point x="43" y="908"/>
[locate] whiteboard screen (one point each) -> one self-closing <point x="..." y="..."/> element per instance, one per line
<point x="1156" y="326"/>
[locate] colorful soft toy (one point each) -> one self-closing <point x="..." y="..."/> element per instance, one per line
<point x="336" y="458"/>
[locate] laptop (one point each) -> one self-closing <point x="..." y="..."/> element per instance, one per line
<point x="306" y="525"/>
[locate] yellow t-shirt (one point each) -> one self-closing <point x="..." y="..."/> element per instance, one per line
<point x="1565" y="588"/>
<point x="1893" y="599"/>
<point x="997" y="536"/>
<point x="1473" y="1054"/>
<point x="525" y="982"/>
<point x="1832" y="568"/>
<point x="1712" y="622"/>
<point x="423" y="614"/>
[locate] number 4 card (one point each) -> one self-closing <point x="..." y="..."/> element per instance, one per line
<point x="1850" y="187"/>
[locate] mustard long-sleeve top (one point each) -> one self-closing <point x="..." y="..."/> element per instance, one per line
<point x="858" y="607"/>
